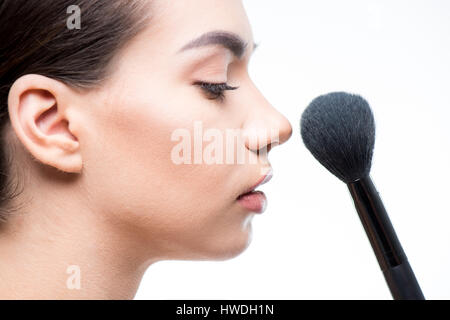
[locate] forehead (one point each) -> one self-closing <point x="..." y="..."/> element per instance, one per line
<point x="174" y="23"/>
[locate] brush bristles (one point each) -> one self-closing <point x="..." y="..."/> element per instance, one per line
<point x="339" y="130"/>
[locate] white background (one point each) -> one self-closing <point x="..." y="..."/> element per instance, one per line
<point x="310" y="244"/>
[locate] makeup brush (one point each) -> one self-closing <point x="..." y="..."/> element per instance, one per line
<point x="339" y="130"/>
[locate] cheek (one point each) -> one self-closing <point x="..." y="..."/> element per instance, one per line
<point x="136" y="181"/>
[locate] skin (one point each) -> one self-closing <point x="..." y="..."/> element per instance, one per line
<point x="101" y="191"/>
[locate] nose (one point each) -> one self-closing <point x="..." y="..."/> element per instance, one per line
<point x="265" y="127"/>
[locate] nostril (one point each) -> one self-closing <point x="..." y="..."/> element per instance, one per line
<point x="265" y="149"/>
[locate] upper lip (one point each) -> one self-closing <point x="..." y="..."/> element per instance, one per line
<point x="264" y="179"/>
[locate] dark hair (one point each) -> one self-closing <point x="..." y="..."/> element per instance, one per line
<point x="35" y="39"/>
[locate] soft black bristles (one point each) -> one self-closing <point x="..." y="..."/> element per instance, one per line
<point x="339" y="130"/>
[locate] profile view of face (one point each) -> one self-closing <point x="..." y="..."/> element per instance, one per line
<point x="181" y="211"/>
<point x="188" y="68"/>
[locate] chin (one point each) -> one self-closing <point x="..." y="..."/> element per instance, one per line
<point x="232" y="246"/>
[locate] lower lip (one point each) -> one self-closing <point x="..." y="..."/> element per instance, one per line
<point x="254" y="201"/>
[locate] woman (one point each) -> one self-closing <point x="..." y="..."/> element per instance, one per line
<point x="99" y="101"/>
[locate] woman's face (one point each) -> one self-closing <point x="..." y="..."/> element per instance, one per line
<point x="131" y="133"/>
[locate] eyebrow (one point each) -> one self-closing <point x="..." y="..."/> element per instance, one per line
<point x="228" y="40"/>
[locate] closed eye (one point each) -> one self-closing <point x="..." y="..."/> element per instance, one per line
<point x="214" y="91"/>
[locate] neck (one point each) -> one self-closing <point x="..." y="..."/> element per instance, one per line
<point x="58" y="249"/>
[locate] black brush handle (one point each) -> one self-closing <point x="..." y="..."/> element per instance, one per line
<point x="390" y="255"/>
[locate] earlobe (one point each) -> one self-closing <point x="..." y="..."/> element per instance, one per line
<point x="37" y="106"/>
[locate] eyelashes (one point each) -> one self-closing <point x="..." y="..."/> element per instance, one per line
<point x="214" y="91"/>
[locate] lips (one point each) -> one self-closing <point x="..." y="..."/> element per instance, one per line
<point x="255" y="201"/>
<point x="264" y="179"/>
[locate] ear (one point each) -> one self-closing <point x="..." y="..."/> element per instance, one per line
<point x="38" y="112"/>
